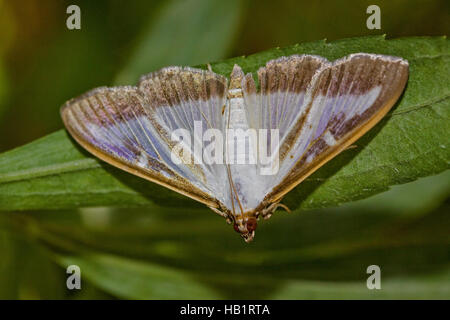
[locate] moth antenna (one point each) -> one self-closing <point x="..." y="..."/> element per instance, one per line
<point x="234" y="189"/>
<point x="230" y="178"/>
<point x="231" y="189"/>
<point x="237" y="198"/>
<point x="285" y="207"/>
<point x="228" y="169"/>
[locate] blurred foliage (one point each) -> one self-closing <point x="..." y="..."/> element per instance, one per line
<point x="174" y="253"/>
<point x="180" y="33"/>
<point x="159" y="252"/>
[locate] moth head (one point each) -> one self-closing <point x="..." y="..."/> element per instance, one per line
<point x="246" y="228"/>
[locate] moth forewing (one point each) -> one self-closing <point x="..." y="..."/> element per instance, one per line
<point x="317" y="109"/>
<point x="101" y="124"/>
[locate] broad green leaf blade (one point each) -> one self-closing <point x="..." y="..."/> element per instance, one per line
<point x="71" y="179"/>
<point x="411" y="142"/>
<point x="414" y="198"/>
<point x="185" y="32"/>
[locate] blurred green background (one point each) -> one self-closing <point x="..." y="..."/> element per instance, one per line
<point x="160" y="253"/>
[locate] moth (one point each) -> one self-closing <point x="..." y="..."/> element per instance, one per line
<point x="314" y="108"/>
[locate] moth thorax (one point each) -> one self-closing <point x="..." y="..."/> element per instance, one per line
<point x="235" y="93"/>
<point x="235" y="83"/>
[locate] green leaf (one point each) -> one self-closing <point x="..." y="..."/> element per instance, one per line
<point x="414" y="198"/>
<point x="411" y="142"/>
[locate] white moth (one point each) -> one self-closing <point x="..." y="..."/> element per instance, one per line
<point x="303" y="112"/>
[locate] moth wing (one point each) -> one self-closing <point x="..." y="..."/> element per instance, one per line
<point x="191" y="100"/>
<point x="283" y="85"/>
<point x="122" y="126"/>
<point x="278" y="105"/>
<point x="343" y="100"/>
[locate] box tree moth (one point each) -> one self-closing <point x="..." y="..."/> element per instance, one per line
<point x="237" y="146"/>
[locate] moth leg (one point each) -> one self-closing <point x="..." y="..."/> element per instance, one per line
<point x="209" y="67"/>
<point x="285" y="207"/>
<point x="267" y="213"/>
<point x="353" y="146"/>
<point x="222" y="214"/>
